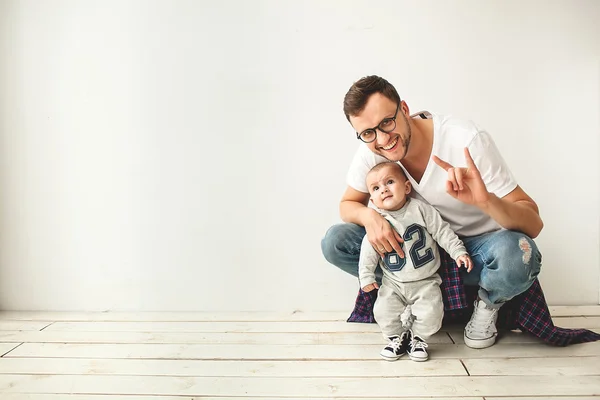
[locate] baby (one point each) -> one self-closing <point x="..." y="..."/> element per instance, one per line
<point x="413" y="279"/>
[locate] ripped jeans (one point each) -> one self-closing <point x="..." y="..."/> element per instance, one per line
<point x="505" y="263"/>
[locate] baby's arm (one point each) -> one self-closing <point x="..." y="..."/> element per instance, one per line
<point x="366" y="266"/>
<point x="442" y="233"/>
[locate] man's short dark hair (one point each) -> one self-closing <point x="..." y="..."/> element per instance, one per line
<point x="357" y="96"/>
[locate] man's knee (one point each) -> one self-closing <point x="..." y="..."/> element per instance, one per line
<point x="341" y="239"/>
<point x="518" y="258"/>
<point x="329" y="243"/>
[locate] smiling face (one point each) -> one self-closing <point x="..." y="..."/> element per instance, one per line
<point x="388" y="186"/>
<point x="379" y="110"/>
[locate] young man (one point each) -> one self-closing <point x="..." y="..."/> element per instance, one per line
<point x="455" y="166"/>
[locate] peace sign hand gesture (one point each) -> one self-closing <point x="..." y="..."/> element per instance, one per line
<point x="465" y="184"/>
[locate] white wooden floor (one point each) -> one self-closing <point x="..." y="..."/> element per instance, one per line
<point x="169" y="356"/>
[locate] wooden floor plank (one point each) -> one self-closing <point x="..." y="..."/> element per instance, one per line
<point x="577" y="322"/>
<point x="129" y="397"/>
<point x="257" y="327"/>
<point x="199" y="368"/>
<point x="549" y="366"/>
<point x="314" y="316"/>
<point x="356" y="338"/>
<point x="304" y="387"/>
<point x="65" y="396"/>
<point x="556" y="311"/>
<point x="575" y="311"/>
<point x="505" y="337"/>
<point x="287" y="352"/>
<point x="545" y="398"/>
<point x="23" y="325"/>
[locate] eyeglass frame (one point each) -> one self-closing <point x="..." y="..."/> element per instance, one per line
<point x="375" y="129"/>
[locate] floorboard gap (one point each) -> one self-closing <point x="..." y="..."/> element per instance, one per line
<point x="47" y="326"/>
<point x="465" y="367"/>
<point x="450" y="337"/>
<point x="11" y="349"/>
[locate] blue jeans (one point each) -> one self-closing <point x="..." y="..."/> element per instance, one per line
<point x="505" y="263"/>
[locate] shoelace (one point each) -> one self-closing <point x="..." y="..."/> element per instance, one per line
<point x="418" y="344"/>
<point x="395" y="344"/>
<point x="481" y="325"/>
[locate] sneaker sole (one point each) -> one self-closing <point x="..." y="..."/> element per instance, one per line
<point x="419" y="359"/>
<point x="391" y="358"/>
<point x="479" y="344"/>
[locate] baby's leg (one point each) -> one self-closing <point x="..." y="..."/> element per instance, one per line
<point x="387" y="310"/>
<point x="427" y="306"/>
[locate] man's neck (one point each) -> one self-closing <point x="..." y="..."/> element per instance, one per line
<point x="421" y="144"/>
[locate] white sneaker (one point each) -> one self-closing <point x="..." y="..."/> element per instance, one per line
<point x="417" y="349"/>
<point x="396" y="347"/>
<point x="481" y="331"/>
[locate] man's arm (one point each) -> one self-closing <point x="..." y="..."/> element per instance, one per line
<point x="353" y="207"/>
<point x="515" y="211"/>
<point x="382" y="236"/>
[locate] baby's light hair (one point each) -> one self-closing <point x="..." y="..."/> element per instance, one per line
<point x="390" y="164"/>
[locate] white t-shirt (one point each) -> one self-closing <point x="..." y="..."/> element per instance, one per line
<point x="450" y="136"/>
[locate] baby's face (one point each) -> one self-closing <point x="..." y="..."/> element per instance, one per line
<point x="388" y="188"/>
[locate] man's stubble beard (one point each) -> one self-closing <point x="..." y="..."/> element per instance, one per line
<point x="404" y="140"/>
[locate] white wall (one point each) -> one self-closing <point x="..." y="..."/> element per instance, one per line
<point x="190" y="155"/>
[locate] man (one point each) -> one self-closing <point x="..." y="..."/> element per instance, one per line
<point x="455" y="166"/>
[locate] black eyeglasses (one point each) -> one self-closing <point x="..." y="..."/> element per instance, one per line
<point x="387" y="125"/>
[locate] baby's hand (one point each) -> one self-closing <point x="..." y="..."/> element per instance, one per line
<point x="370" y="287"/>
<point x="466" y="261"/>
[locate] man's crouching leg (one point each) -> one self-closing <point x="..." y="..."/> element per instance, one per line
<point x="506" y="265"/>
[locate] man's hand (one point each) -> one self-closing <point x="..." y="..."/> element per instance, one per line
<point x="370" y="287"/>
<point x="465" y="261"/>
<point x="465" y="184"/>
<point x="382" y="236"/>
